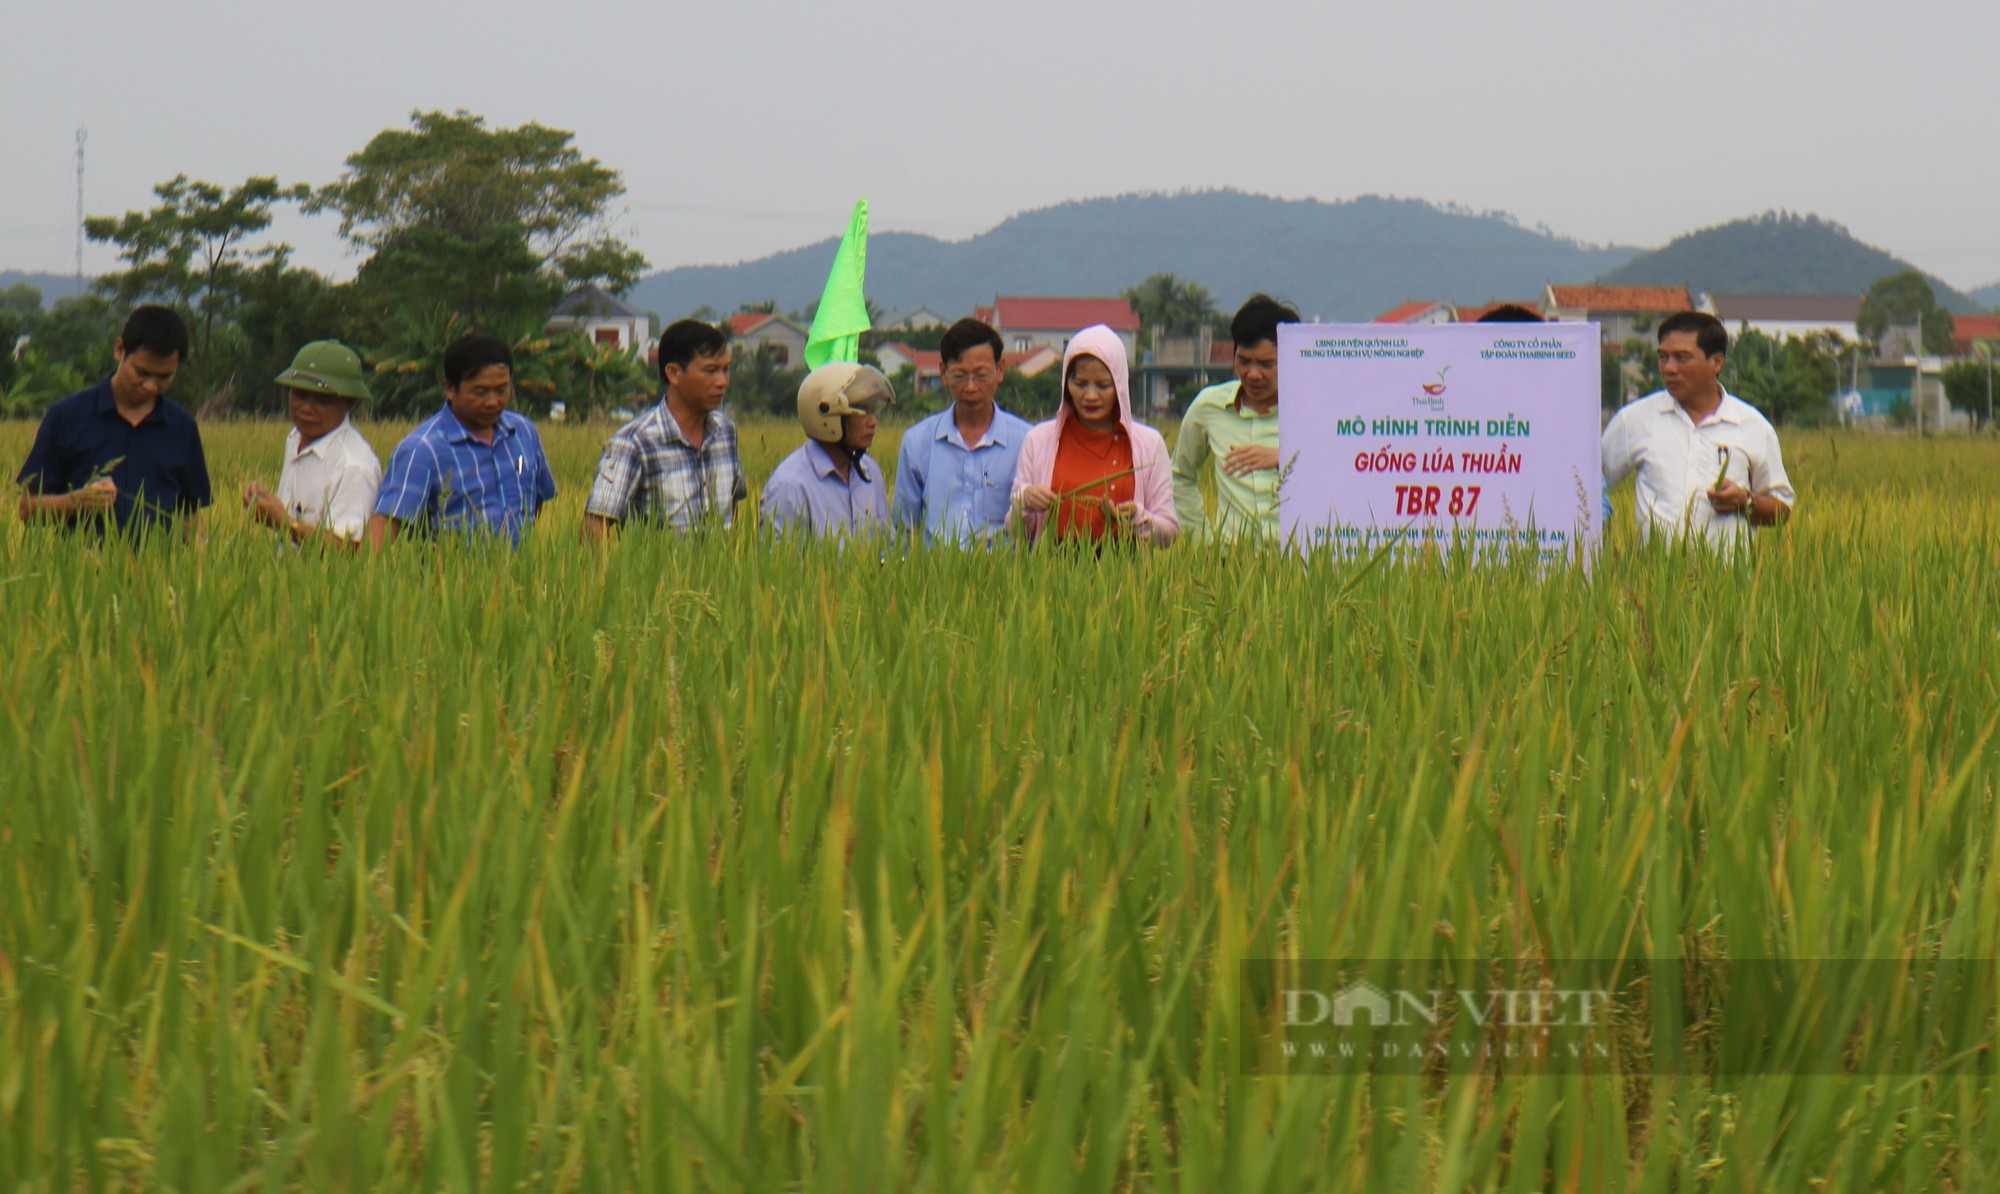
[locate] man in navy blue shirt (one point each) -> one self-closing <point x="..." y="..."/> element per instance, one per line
<point x="120" y="448"/>
<point x="474" y="466"/>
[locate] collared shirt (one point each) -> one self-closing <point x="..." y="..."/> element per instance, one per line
<point x="807" y="488"/>
<point x="161" y="470"/>
<point x="1677" y="461"/>
<point x="954" y="493"/>
<point x="1215" y="425"/>
<point x="332" y="481"/>
<point x="442" y="475"/>
<point x="649" y="471"/>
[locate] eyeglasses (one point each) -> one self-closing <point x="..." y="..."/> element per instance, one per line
<point x="958" y="377"/>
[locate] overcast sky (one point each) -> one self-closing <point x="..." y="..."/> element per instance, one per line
<point x="742" y="129"/>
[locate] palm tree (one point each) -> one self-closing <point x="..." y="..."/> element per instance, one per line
<point x="1175" y="306"/>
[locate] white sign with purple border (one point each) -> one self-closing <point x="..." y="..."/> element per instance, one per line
<point x="1435" y="434"/>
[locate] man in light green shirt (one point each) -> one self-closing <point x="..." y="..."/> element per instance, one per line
<point x="1236" y="423"/>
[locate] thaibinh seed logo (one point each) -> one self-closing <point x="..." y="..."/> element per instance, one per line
<point x="1433" y="395"/>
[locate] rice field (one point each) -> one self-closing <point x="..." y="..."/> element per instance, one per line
<point x="706" y="864"/>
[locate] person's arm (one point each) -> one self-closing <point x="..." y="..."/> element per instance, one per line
<point x="42" y="472"/>
<point x="1155" y="491"/>
<point x="266" y="508"/>
<point x="407" y="489"/>
<point x="909" y="500"/>
<point x="95" y="498"/>
<point x="781" y="503"/>
<point x="1771" y="490"/>
<point x="545" y="477"/>
<point x="1191" y="451"/>
<point x="611" y="491"/>
<point x="1614" y="450"/>
<point x="382" y="531"/>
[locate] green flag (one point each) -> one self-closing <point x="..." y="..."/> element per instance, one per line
<point x="843" y="310"/>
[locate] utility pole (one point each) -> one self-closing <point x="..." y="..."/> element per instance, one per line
<point x="1917" y="378"/>
<point x="81" y="135"/>
<point x="1985" y="348"/>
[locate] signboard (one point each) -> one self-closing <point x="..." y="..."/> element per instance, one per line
<point x="1433" y="434"/>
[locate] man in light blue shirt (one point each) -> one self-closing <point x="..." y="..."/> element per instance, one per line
<point x="474" y="466"/>
<point x="829" y="486"/>
<point x="955" y="471"/>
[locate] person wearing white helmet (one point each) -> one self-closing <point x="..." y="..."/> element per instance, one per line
<point x="829" y="485"/>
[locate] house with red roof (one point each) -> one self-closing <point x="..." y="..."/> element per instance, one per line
<point x="1475" y="314"/>
<point x="927" y="364"/>
<point x="1429" y="311"/>
<point x="1418" y="311"/>
<point x="752" y="330"/>
<point x="1026" y="323"/>
<point x="1965" y="329"/>
<point x="1620" y="312"/>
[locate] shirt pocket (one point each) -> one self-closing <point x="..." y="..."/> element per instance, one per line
<point x="1739" y="464"/>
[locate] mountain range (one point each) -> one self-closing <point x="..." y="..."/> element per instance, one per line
<point x="1335" y="261"/>
<point x="1349" y="260"/>
<point x="1775" y="253"/>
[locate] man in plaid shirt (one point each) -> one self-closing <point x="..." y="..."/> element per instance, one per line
<point x="676" y="465"/>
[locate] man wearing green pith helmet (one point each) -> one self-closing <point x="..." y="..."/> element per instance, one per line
<point x="331" y="474"/>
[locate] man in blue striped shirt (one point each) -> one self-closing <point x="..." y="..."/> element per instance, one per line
<point x="955" y="472"/>
<point x="474" y="466"/>
<point x="676" y="465"/>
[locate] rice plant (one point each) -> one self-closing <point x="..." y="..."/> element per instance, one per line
<point x="709" y="863"/>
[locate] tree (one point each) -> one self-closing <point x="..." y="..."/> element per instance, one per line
<point x="21" y="299"/>
<point x="1788" y="381"/>
<point x="1969" y="386"/>
<point x="1899" y="300"/>
<point x="192" y="251"/>
<point x="491" y="222"/>
<point x="1175" y="306"/>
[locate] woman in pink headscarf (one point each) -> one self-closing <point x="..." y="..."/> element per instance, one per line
<point x="1092" y="471"/>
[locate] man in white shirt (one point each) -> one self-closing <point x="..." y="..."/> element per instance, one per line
<point x="331" y="474"/>
<point x="1706" y="462"/>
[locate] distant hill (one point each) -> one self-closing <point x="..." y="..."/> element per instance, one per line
<point x="1987" y="296"/>
<point x="1337" y="261"/>
<point x="52" y="286"/>
<point x="1775" y="253"/>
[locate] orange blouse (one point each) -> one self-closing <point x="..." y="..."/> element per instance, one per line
<point x="1084" y="456"/>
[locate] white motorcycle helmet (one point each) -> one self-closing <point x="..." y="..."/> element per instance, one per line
<point x="840" y="388"/>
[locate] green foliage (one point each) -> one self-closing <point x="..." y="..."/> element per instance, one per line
<point x="1174" y="306"/>
<point x="1969" y="386"/>
<point x="1790" y="381"/>
<point x="495" y="223"/>
<point x="703" y="864"/>
<point x="30" y="383"/>
<point x="1901" y="299"/>
<point x="1642" y="365"/>
<point x="588" y="378"/>
<point x="1612" y="380"/>
<point x="249" y="311"/>
<point x="191" y="251"/>
<point x="1032" y="398"/>
<point x="20" y="299"/>
<point x="408" y="377"/>
<point x="759" y="384"/>
<point x="492" y="279"/>
<point x="70" y="343"/>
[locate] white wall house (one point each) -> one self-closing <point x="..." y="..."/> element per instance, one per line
<point x="602" y="318"/>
